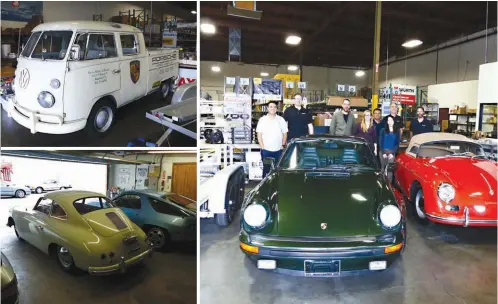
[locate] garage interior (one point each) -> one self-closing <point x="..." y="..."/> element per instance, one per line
<point x="167" y="276"/>
<point x="131" y="126"/>
<point x="441" y="263"/>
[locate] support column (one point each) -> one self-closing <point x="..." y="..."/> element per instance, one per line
<point x="376" y="57"/>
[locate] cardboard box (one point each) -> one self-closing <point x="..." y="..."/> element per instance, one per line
<point x="471" y="111"/>
<point x="355" y="101"/>
<point x="461" y="110"/>
<point x="320" y="120"/>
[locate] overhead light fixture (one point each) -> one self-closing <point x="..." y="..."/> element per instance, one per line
<point x="292" y="68"/>
<point x="293" y="39"/>
<point x="412" y="43"/>
<point x="194" y="12"/>
<point x="264" y="74"/>
<point x="360" y="73"/>
<point x="215" y="68"/>
<point x="208" y="28"/>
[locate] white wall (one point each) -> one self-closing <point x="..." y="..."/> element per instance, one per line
<point x="166" y="167"/>
<point x="456" y="93"/>
<point x="81" y="176"/>
<point x="452" y="66"/>
<point x="488" y="88"/>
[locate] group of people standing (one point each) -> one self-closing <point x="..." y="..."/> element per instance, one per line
<point x="382" y="134"/>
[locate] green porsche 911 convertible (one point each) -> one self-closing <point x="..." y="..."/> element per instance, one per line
<point x="325" y="210"/>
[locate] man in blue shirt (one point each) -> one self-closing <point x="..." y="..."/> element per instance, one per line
<point x="378" y="122"/>
<point x="420" y="124"/>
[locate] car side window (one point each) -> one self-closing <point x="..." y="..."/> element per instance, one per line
<point x="130" y="201"/>
<point x="165" y="208"/>
<point x="90" y="204"/>
<point x="44" y="205"/>
<point x="58" y="212"/>
<point x="129" y="44"/>
<point x="100" y="46"/>
<point x="120" y="202"/>
<point x="414" y="150"/>
<point x="81" y="41"/>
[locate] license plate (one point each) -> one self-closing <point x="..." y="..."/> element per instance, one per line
<point x="322" y="268"/>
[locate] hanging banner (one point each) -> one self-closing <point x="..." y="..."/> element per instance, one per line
<point x="404" y="94"/>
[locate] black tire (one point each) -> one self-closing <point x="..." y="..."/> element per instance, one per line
<point x="154" y="234"/>
<point x="418" y="206"/>
<point x="17" y="234"/>
<point x="66" y="263"/>
<point x="20" y="194"/>
<point x="165" y="89"/>
<point x="39" y="190"/>
<point x="231" y="195"/>
<point x="101" y="119"/>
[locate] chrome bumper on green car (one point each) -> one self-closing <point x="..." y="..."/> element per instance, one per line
<point x="121" y="266"/>
<point x="326" y="257"/>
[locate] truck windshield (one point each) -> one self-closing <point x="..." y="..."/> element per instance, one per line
<point x="51" y="45"/>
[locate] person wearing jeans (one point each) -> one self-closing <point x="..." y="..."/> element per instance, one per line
<point x="388" y="145"/>
<point x="272" y="135"/>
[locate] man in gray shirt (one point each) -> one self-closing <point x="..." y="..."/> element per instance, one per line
<point x="343" y="121"/>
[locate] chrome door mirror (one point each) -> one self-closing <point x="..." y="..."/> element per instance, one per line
<point x="74" y="54"/>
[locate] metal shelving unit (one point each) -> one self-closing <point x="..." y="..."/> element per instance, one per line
<point x="463" y="123"/>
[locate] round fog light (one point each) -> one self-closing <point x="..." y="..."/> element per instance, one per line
<point x="55" y="83"/>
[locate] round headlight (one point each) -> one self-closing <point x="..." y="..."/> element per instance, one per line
<point x="46" y="100"/>
<point x="55" y="83"/>
<point x="255" y="215"/>
<point x="390" y="216"/>
<point x="446" y="192"/>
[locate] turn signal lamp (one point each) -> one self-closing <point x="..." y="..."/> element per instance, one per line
<point x="393" y="248"/>
<point x="249" y="248"/>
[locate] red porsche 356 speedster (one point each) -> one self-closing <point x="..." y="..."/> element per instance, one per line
<point x="449" y="180"/>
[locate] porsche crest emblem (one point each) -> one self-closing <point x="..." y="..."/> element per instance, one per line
<point x="135" y="70"/>
<point x="323" y="226"/>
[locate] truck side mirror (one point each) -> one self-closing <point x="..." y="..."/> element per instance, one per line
<point x="74" y="54"/>
<point x="269" y="161"/>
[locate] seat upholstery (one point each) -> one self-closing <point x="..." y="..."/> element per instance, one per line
<point x="349" y="156"/>
<point x="310" y="158"/>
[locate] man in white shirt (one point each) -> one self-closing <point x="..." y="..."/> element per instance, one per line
<point x="272" y="135"/>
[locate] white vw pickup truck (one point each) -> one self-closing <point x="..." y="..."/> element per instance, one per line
<point x="74" y="75"/>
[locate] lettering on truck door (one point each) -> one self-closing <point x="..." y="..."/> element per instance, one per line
<point x="92" y="75"/>
<point x="133" y="68"/>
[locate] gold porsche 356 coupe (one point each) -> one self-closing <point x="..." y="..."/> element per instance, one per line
<point x="82" y="230"/>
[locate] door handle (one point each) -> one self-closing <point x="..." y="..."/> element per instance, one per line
<point x="116" y="71"/>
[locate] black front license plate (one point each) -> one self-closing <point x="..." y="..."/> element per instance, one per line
<point x="322" y="268"/>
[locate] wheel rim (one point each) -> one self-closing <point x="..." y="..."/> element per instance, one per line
<point x="65" y="257"/>
<point x="156" y="237"/>
<point x="103" y="119"/>
<point x="231" y="202"/>
<point x="38" y="190"/>
<point x="165" y="89"/>
<point x="20" y="194"/>
<point x="419" y="204"/>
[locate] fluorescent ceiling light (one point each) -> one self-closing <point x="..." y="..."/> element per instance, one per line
<point x="215" y="68"/>
<point x="208" y="28"/>
<point x="264" y="74"/>
<point x="194" y="12"/>
<point x="412" y="43"/>
<point x="292" y="68"/>
<point x="360" y="74"/>
<point x="294" y="40"/>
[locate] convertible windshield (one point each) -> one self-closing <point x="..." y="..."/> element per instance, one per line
<point x="328" y="154"/>
<point x="51" y="45"/>
<point x="450" y="148"/>
<point x="90" y="204"/>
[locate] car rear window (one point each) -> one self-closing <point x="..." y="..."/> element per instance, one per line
<point x="90" y="204"/>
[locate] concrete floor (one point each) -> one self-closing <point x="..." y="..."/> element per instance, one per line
<point x="441" y="264"/>
<point x="165" y="278"/>
<point x="130" y="124"/>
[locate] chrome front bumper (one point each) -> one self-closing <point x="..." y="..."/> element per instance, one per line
<point x="465" y="221"/>
<point x="34" y="121"/>
<point x="121" y="266"/>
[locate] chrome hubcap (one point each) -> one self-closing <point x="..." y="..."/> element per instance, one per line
<point x="156" y="237"/>
<point x="39" y="190"/>
<point x="65" y="257"/>
<point x="419" y="204"/>
<point x="103" y="119"/>
<point x="165" y="89"/>
<point x="21" y="194"/>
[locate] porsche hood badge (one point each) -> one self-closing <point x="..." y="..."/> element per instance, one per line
<point x="323" y="226"/>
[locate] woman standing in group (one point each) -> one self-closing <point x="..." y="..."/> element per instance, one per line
<point x="388" y="144"/>
<point x="366" y="130"/>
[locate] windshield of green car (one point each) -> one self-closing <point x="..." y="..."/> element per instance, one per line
<point x="450" y="149"/>
<point x="90" y="204"/>
<point x="180" y="200"/>
<point x="328" y="154"/>
<point x="52" y="45"/>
